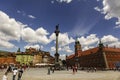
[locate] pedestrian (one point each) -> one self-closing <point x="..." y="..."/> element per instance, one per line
<point x="5" y="76"/>
<point x="95" y="69"/>
<point x="48" y="70"/>
<point x="73" y="69"/>
<point x="53" y="68"/>
<point x="9" y="68"/>
<point x="20" y="72"/>
<point x="76" y="68"/>
<point x="14" y="73"/>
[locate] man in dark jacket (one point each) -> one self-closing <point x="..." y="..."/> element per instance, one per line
<point x="20" y="72"/>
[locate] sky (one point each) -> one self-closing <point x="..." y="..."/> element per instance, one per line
<point x="31" y="23"/>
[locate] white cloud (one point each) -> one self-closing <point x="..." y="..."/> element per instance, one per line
<point x="116" y="44"/>
<point x="29" y="35"/>
<point x="64" y="39"/>
<point x="31" y="16"/>
<point x="109" y="39"/>
<point x="111" y="9"/>
<point x="89" y="40"/>
<point x="63" y="56"/>
<point x="35" y="36"/>
<point x="34" y="46"/>
<point x="54" y="49"/>
<point x="21" y="12"/>
<point x="63" y="48"/>
<point x="52" y="2"/>
<point x="18" y="11"/>
<point x="10" y="29"/>
<point x="87" y="47"/>
<point x="92" y="41"/>
<point x="66" y="1"/>
<point x="118" y="26"/>
<point x="6" y="44"/>
<point x="98" y="0"/>
<point x="9" y="26"/>
<point x="97" y="8"/>
<point x="66" y="49"/>
<point x="41" y="31"/>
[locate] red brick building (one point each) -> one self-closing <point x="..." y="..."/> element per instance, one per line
<point x="7" y="58"/>
<point x="99" y="57"/>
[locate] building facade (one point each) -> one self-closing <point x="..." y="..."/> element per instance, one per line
<point x="24" y="58"/>
<point x="32" y="57"/>
<point x="99" y="57"/>
<point x="7" y="58"/>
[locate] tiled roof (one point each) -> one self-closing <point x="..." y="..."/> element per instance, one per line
<point x="110" y="49"/>
<point x="87" y="52"/>
<point x="71" y="56"/>
<point x="90" y="51"/>
<point x="94" y="50"/>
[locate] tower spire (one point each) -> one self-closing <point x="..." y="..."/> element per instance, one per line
<point x="100" y="44"/>
<point x="78" y="49"/>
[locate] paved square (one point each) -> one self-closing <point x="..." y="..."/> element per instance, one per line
<point x="41" y="74"/>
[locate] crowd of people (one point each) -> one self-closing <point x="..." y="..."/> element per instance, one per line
<point x="15" y="70"/>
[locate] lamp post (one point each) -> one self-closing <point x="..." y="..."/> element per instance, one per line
<point x="57" y="54"/>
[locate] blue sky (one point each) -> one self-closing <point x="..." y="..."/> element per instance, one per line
<point x="25" y="23"/>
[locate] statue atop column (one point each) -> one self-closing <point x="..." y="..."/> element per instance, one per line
<point x="57" y="54"/>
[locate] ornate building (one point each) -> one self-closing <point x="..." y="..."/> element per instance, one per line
<point x="99" y="57"/>
<point x="24" y="58"/>
<point x="32" y="56"/>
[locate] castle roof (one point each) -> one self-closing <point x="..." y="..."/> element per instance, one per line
<point x="70" y="56"/>
<point x="94" y="50"/>
<point x="90" y="51"/>
<point x="111" y="49"/>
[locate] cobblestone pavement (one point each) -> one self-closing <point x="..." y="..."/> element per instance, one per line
<point x="41" y="74"/>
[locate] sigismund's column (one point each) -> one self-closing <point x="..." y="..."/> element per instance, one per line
<point x="57" y="54"/>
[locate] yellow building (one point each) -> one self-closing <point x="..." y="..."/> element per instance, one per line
<point x="24" y="58"/>
<point x="32" y="56"/>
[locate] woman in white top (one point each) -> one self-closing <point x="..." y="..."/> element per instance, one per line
<point x="5" y="76"/>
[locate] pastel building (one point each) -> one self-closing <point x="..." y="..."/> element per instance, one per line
<point x="24" y="58"/>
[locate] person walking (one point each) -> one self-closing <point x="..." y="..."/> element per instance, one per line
<point x="20" y="72"/>
<point x="76" y="68"/>
<point x="48" y="70"/>
<point x="53" y="68"/>
<point x="14" y="73"/>
<point x="73" y="68"/>
<point x="5" y="76"/>
<point x="9" y="69"/>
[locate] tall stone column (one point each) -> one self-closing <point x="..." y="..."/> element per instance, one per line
<point x="57" y="54"/>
